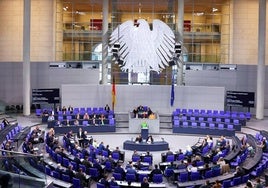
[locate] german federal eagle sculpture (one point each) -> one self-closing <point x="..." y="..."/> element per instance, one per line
<point x="138" y="48"/>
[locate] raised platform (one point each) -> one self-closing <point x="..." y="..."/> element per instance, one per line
<point x="143" y="146"/>
<point x="89" y="129"/>
<point x="203" y="131"/>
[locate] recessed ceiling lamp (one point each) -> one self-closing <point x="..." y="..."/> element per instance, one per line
<point x="199" y="13"/>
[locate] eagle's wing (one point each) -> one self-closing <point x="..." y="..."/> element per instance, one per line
<point x="122" y="35"/>
<point x="164" y="42"/>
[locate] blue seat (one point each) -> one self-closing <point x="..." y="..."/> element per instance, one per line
<point x="141" y="176"/>
<point x="65" y="162"/>
<point x="216" y="172"/>
<point x="220" y="126"/>
<point x="108" y="166"/>
<point x="105" y="153"/>
<point x="148" y="159"/>
<point x="47" y="170"/>
<point x="230" y="127"/>
<point x="83" y="167"/>
<point x="136" y="158"/>
<point x="185" y="123"/>
<point x="168" y="172"/>
<point x="203" y="125"/>
<point x="116" y="155"/>
<point x="38" y="112"/>
<point x="212" y="125"/>
<point x="99" y="185"/>
<point x="208" y="174"/>
<point x="117" y="176"/>
<point x="114" y="186"/>
<point x="183" y="177"/>
<point x="131" y="177"/>
<point x="59" y="159"/>
<point x="176" y="122"/>
<point x="181" y="157"/>
<point x="236" y="181"/>
<point x="245" y="178"/>
<point x="74" y="164"/>
<point x="85" y="122"/>
<point x="157" y="178"/>
<point x="194" y="124"/>
<point x="194" y="176"/>
<point x="76" y="183"/>
<point x="226" y="183"/>
<point x="200" y="163"/>
<point x="94" y="173"/>
<point x="56" y="174"/>
<point x="65" y="178"/>
<point x="170" y="158"/>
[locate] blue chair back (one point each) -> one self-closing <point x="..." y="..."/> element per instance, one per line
<point x="157" y="178"/>
<point x="76" y="183"/>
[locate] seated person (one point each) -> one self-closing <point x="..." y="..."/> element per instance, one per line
<point x="138" y="139"/>
<point x="135" y="112"/>
<point x="76" y="122"/>
<point x="107" y="108"/>
<point x="239" y="172"/>
<point x="82" y="177"/>
<point x="152" y="116"/>
<point x="86" y="116"/>
<point x="156" y="170"/>
<point x="145" y="183"/>
<point x="112" y="182"/>
<point x="150" y="139"/>
<point x="263" y="144"/>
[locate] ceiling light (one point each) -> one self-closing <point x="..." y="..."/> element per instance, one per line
<point x="214" y="9"/>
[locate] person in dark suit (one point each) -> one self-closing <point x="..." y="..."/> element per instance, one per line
<point x="4" y="180"/>
<point x="87" y="162"/>
<point x="169" y="152"/>
<point x="138" y="139"/>
<point x="239" y="172"/>
<point x="156" y="170"/>
<point x="80" y="136"/>
<point x="104" y="181"/>
<point x="77" y="159"/>
<point x="112" y="182"/>
<point x="81" y="176"/>
<point x="150" y="139"/>
<point x="97" y="165"/>
<point x="69" y="171"/>
<point x="107" y="108"/>
<point x="119" y="169"/>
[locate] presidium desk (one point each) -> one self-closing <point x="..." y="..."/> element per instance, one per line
<point x="135" y="124"/>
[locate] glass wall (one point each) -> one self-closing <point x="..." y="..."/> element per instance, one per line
<point x="206" y="30"/>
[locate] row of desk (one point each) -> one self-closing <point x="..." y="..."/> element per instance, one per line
<point x="203" y="131"/>
<point x="88" y="128"/>
<point x="206" y="124"/>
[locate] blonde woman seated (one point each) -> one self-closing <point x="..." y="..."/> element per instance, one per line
<point x="86" y="116"/>
<point x="152" y="116"/>
<point x="225" y="168"/>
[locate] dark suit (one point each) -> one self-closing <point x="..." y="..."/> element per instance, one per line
<point x="155" y="171"/>
<point x="81" y="136"/>
<point x="120" y="170"/>
<point x="82" y="179"/>
<point x="70" y="173"/>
